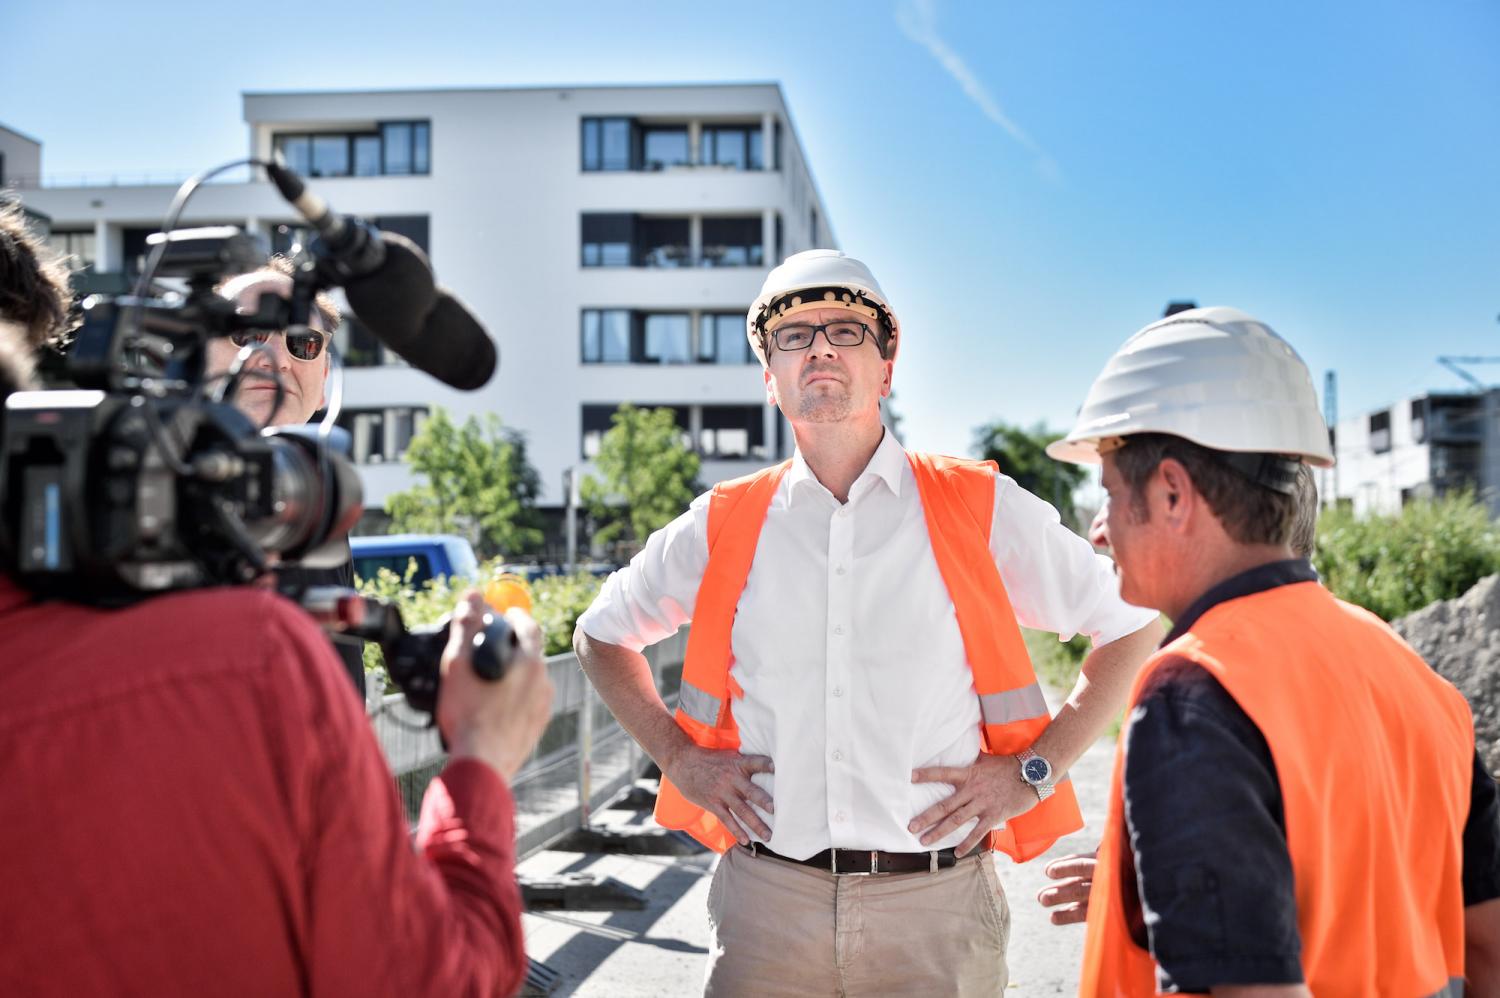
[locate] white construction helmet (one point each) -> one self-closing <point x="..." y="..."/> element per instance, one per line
<point x="819" y="278"/>
<point x="1214" y="376"/>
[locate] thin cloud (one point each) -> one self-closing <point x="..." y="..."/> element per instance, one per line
<point x="918" y="21"/>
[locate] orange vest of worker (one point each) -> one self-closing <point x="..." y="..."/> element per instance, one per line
<point x="958" y="501"/>
<point x="1374" y="755"/>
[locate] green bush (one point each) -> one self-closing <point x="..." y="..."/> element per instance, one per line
<point x="1394" y="564"/>
<point x="556" y="602"/>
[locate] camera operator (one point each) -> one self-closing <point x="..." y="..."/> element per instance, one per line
<point x="194" y="804"/>
<point x="300" y="367"/>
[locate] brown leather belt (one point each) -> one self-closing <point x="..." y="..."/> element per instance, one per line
<point x="864" y="862"/>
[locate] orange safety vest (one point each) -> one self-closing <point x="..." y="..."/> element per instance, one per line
<point x="958" y="499"/>
<point x="1374" y="755"/>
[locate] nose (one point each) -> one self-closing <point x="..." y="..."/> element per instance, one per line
<point x="1098" y="533"/>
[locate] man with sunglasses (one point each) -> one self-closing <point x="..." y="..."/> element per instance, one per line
<point x="296" y="361"/>
<point x="283" y="383"/>
<point x="858" y="725"/>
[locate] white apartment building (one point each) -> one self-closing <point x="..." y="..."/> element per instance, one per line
<point x="610" y="238"/>
<point x="1419" y="447"/>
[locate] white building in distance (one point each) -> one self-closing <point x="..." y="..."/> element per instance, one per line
<point x="610" y="238"/>
<point x="1418" y="448"/>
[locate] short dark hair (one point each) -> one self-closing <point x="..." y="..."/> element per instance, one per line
<point x="1250" y="513"/>
<point x="328" y="312"/>
<point x="1305" y="526"/>
<point x="34" y="287"/>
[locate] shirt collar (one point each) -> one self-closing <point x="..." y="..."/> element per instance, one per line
<point x="888" y="464"/>
<point x="1256" y="580"/>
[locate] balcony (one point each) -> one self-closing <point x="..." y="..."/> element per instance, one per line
<point x="621" y="240"/>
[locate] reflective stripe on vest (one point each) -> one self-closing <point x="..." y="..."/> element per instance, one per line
<point x="958" y="504"/>
<point x="1379" y="782"/>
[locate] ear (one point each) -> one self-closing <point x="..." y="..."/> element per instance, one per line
<point x="1176" y="495"/>
<point x="890" y="371"/>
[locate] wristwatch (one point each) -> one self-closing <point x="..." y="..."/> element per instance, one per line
<point x="1036" y="771"/>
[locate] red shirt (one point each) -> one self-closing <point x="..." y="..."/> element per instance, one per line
<point x="194" y="804"/>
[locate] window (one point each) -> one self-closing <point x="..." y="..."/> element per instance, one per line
<point x="606" y="336"/>
<point x="666" y="338"/>
<point x="607" y="143"/>
<point x="414" y="227"/>
<point x="663" y="147"/>
<point x="596" y="423"/>
<point x="330" y="156"/>
<point x="1380" y="432"/>
<point x="661" y="242"/>
<point x="732" y="242"/>
<point x="597" y="420"/>
<point x="721" y="339"/>
<point x="381" y="435"/>
<point x="78" y="244"/>
<point x="357" y="346"/>
<point x="733" y="432"/>
<point x="396" y="142"/>
<point x="620" y="336"/>
<point x="394" y="148"/>
<point x="367" y="155"/>
<point x="607" y="240"/>
<point x="737" y="146"/>
<point x="1419" y="420"/>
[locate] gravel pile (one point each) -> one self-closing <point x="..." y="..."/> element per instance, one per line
<point x="1460" y="638"/>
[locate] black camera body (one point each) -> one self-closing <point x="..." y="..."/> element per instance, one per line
<point x="133" y="477"/>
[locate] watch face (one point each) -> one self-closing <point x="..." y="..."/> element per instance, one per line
<point x="1036" y="770"/>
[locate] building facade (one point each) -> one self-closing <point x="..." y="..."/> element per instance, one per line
<point x="1418" y="448"/>
<point x="610" y="238"/>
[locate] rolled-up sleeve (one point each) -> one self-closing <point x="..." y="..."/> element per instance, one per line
<point x="649" y="599"/>
<point x="1055" y="579"/>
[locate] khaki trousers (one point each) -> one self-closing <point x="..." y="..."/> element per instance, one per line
<point x="779" y="928"/>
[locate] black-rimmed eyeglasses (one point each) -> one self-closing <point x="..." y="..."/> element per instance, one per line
<point x="800" y="336"/>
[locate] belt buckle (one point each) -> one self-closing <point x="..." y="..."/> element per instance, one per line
<point x="833" y="864"/>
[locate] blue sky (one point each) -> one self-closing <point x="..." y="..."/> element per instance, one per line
<point x="1030" y="182"/>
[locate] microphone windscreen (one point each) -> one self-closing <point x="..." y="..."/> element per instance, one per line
<point x="393" y="300"/>
<point x="455" y="348"/>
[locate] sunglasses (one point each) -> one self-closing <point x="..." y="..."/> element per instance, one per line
<point x="304" y="345"/>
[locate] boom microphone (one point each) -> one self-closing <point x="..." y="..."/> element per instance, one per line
<point x="389" y="285"/>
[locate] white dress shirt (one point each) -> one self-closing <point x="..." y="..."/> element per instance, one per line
<point x="847" y="647"/>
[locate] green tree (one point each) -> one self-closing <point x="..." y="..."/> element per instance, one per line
<point x="1022" y="454"/>
<point x="648" y="475"/>
<point x="477" y="483"/>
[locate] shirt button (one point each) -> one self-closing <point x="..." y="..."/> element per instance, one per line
<point x="838" y="628"/>
<point x="838" y="691"/>
<point x="838" y="756"/>
<point x="839" y="570"/>
<point x="839" y="816"/>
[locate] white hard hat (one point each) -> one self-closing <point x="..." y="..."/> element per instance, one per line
<point x="1214" y="376"/>
<point x="819" y="278"/>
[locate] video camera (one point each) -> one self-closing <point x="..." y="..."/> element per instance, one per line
<point x="131" y="476"/>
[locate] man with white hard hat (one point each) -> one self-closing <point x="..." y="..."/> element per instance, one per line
<point x="859" y="726"/>
<point x="1297" y="805"/>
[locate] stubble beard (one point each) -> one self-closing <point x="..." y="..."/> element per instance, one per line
<point x="830" y="405"/>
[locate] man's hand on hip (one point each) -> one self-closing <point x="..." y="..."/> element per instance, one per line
<point x="718" y="780"/>
<point x="991" y="790"/>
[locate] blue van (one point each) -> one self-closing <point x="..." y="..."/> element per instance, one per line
<point x="435" y="554"/>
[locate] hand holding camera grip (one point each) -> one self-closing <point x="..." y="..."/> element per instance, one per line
<point x="494" y="647"/>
